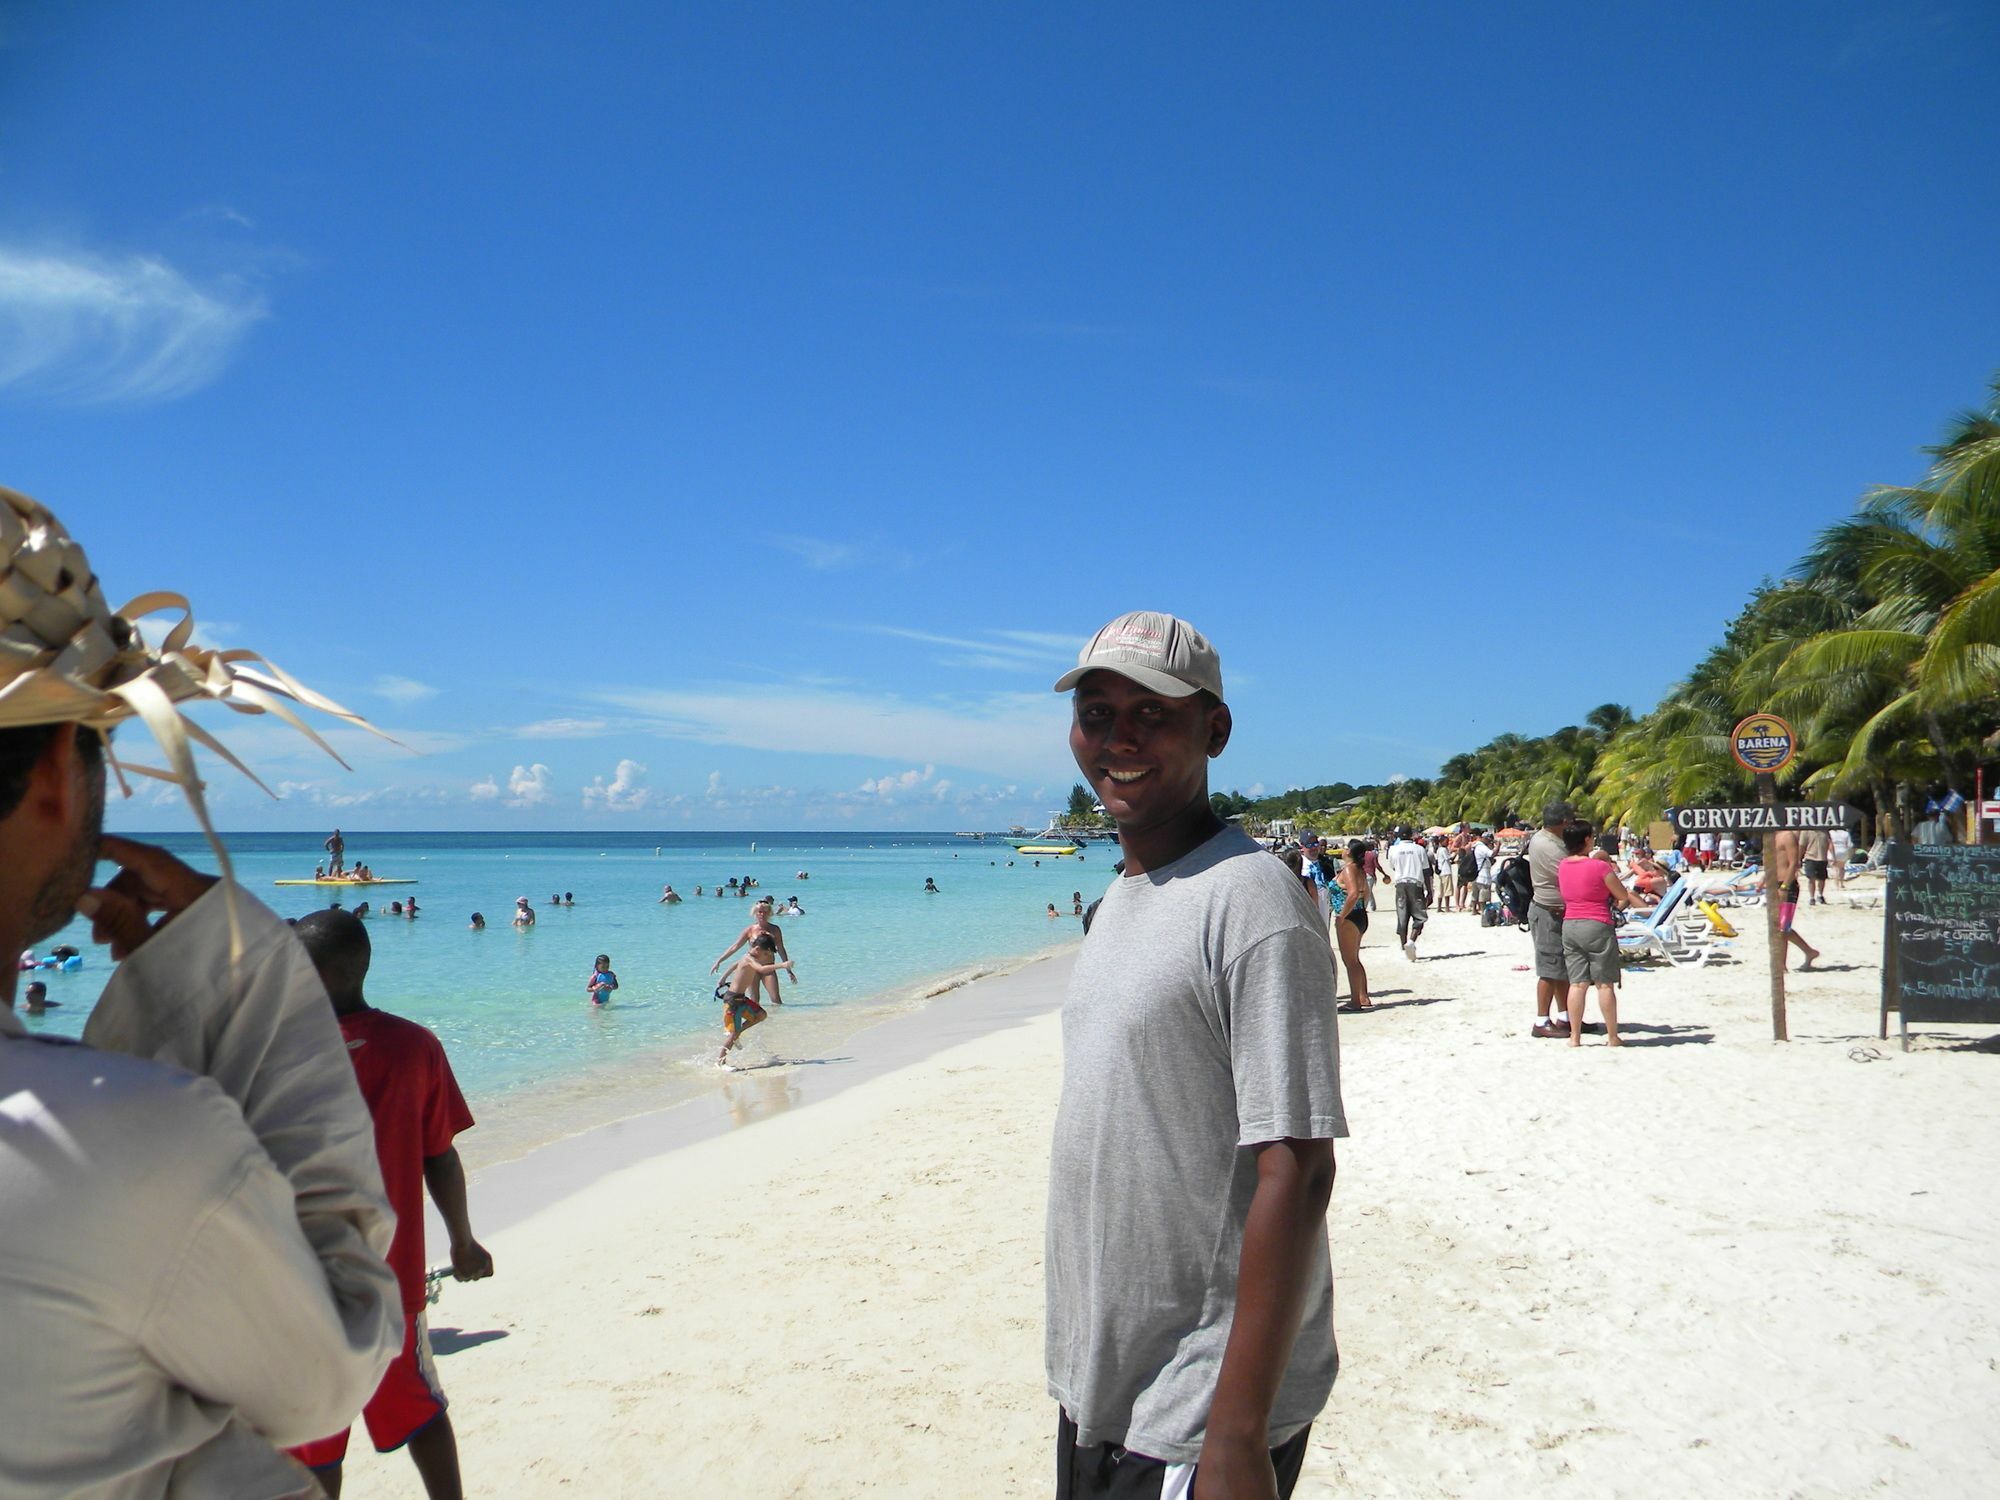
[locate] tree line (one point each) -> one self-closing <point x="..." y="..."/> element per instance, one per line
<point x="1881" y="646"/>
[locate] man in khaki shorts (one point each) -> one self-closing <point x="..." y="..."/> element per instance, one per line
<point x="1815" y="845"/>
<point x="1545" y="923"/>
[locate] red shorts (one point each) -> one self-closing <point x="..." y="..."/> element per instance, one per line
<point x="407" y="1401"/>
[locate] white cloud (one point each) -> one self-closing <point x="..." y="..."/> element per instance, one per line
<point x="819" y="554"/>
<point x="1055" y="642"/>
<point x="216" y="635"/>
<point x="1019" y="648"/>
<point x="86" y="327"/>
<point x="530" y="786"/>
<point x="484" y="791"/>
<point x="403" y="689"/>
<point x="887" y="787"/>
<point x="562" y="729"/>
<point x="714" y="784"/>
<point x="625" y="792"/>
<point x="1024" y="734"/>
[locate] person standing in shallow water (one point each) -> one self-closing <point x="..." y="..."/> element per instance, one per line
<point x="1189" y="1336"/>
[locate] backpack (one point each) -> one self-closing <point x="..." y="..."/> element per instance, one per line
<point x="1517" y="890"/>
<point x="1468" y="866"/>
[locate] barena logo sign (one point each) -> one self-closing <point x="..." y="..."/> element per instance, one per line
<point x="1763" y="742"/>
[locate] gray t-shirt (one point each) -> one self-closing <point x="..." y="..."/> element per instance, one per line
<point x="1545" y="857"/>
<point x="1199" y="1022"/>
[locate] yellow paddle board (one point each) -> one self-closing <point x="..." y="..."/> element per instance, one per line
<point x="377" y="881"/>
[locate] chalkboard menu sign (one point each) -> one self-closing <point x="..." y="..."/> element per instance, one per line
<point x="1941" y="950"/>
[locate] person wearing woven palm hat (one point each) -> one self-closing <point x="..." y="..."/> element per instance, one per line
<point x="194" y="1253"/>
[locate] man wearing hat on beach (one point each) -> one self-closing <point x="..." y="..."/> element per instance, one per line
<point x="1190" y="1298"/>
<point x="191" y="1233"/>
<point x="1311" y="852"/>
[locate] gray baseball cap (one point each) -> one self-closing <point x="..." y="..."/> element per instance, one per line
<point x="1162" y="653"/>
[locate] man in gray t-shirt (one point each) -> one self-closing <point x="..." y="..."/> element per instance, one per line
<point x="1190" y="1295"/>
<point x="1545" y="922"/>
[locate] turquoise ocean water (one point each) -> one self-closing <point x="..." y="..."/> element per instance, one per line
<point x="534" y="1057"/>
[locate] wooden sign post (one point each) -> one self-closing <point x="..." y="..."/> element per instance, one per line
<point x="1764" y="745"/>
<point x="1774" y="937"/>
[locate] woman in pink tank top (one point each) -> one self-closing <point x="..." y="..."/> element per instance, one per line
<point x="1590" y="890"/>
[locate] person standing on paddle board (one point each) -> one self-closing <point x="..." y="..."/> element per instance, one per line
<point x="336" y="854"/>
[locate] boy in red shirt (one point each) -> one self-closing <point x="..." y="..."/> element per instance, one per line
<point x="417" y="1108"/>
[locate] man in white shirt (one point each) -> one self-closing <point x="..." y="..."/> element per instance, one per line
<point x="192" y="1233"/>
<point x="1408" y="863"/>
<point x="1482" y="859"/>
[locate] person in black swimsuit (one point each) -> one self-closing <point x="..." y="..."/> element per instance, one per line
<point x="1351" y="921"/>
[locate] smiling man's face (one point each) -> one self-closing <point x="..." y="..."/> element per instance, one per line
<point x="1145" y="755"/>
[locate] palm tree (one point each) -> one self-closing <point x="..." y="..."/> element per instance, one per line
<point x="1924" y="654"/>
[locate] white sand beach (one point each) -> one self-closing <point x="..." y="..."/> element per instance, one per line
<point x="1705" y="1264"/>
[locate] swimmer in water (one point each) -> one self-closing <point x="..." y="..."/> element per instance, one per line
<point x="1052" y="910"/>
<point x="477" y="924"/>
<point x="524" y="914"/>
<point x="793" y="909"/>
<point x="761" y="926"/>
<point x="930" y="887"/>
<point x="602" y="981"/>
<point x="1076" y="903"/>
<point x="670" y="897"/>
<point x="739" y="1011"/>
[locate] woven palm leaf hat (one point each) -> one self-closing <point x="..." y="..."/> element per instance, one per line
<point x="67" y="658"/>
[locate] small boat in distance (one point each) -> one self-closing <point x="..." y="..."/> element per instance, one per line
<point x="1054" y="839"/>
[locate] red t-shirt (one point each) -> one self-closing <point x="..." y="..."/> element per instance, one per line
<point x="407" y="1082"/>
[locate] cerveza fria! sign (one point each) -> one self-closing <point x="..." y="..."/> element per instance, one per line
<point x="1756" y="818"/>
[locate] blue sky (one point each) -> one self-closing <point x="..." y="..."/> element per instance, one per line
<point x="735" y="416"/>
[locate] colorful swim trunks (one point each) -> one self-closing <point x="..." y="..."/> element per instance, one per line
<point x="743" y="1014"/>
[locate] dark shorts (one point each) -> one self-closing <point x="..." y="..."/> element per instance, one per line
<point x="1546" y="928"/>
<point x="1358" y="915"/>
<point x="1813" y="869"/>
<point x="1112" y="1471"/>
